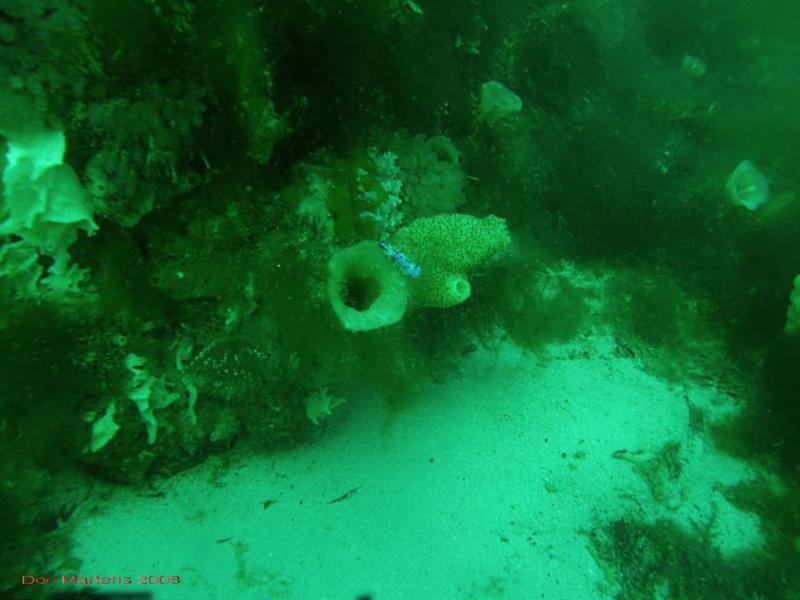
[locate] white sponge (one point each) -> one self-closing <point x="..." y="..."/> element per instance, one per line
<point x="44" y="201"/>
<point x="44" y="205"/>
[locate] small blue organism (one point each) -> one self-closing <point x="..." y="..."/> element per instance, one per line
<point x="409" y="268"/>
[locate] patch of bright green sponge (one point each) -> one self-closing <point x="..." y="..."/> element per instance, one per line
<point x="447" y="247"/>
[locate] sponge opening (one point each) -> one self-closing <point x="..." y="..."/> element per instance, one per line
<point x="360" y="292"/>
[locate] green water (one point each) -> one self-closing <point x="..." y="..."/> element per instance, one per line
<point x="229" y="230"/>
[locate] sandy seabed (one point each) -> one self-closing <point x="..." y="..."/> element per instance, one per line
<point x="486" y="486"/>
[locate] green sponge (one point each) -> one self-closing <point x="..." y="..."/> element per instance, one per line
<point x="446" y="247"/>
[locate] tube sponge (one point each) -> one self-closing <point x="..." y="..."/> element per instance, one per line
<point x="366" y="291"/>
<point x="446" y="247"/>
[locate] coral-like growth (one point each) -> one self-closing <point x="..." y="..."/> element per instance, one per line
<point x="433" y="181"/>
<point x="446" y="247"/>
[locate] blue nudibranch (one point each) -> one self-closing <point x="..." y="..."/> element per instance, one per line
<point x="404" y="263"/>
